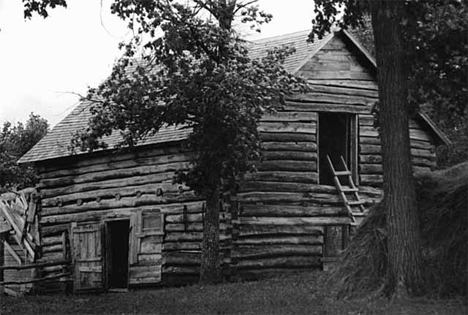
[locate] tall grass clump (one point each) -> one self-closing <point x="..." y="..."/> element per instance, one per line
<point x="443" y="213"/>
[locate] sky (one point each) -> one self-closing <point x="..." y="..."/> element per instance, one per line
<point x="45" y="64"/>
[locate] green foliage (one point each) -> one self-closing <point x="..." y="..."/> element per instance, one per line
<point x="41" y="7"/>
<point x="197" y="73"/>
<point x="15" y="141"/>
<point x="437" y="53"/>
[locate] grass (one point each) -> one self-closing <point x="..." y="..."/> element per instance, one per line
<point x="304" y="293"/>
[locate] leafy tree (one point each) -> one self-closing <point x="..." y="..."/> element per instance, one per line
<point x="197" y="72"/>
<point x="388" y="18"/>
<point x="15" y="141"/>
<point x="436" y="50"/>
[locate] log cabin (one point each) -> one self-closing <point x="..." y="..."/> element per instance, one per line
<point x="123" y="223"/>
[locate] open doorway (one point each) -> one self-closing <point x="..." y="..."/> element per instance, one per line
<point x="337" y="138"/>
<point x="117" y="254"/>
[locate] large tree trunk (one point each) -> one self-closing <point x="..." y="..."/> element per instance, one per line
<point x="404" y="249"/>
<point x="210" y="269"/>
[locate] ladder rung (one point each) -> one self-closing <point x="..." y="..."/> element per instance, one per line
<point x="341" y="173"/>
<point x="355" y="203"/>
<point x="344" y="189"/>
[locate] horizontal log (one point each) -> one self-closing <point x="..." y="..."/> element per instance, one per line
<point x="370" y="149"/>
<point x="342" y="90"/>
<point x="373" y="159"/>
<point x="280" y="240"/>
<point x="281" y="116"/>
<point x="170" y="246"/>
<point x="363" y="85"/>
<point x="111" y="193"/>
<point x="112" y="174"/>
<point x="290" y="155"/>
<point x="370" y="169"/>
<point x="287" y="165"/>
<point x="49" y="167"/>
<point x="189" y="236"/>
<point x="338" y="220"/>
<point x="52" y="240"/>
<point x="267" y="186"/>
<point x="425" y="162"/>
<point x="113" y="183"/>
<point x="308" y="106"/>
<point x="261" y="251"/>
<point x="289" y="210"/>
<point x="124" y="203"/>
<point x="273" y="127"/>
<point x="415" y="134"/>
<point x="186" y="270"/>
<point x="248" y="230"/>
<point x="368" y="120"/>
<point x="310" y="96"/>
<point x="111" y="213"/>
<point x="369" y="140"/>
<point x="189" y="227"/>
<point x="272" y="197"/>
<point x="335" y="75"/>
<point x="421" y="169"/>
<point x="419" y="144"/>
<point x="423" y="154"/>
<point x="300" y="177"/>
<point x="47" y="231"/>
<point x="153" y="271"/>
<point x="281" y="262"/>
<point x="52" y="248"/>
<point x="136" y="162"/>
<point x="182" y="258"/>
<point x="372" y="180"/>
<point x="287" y="137"/>
<point x="289" y="146"/>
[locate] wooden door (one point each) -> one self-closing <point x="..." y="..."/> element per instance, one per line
<point x="87" y="257"/>
<point x="146" y="247"/>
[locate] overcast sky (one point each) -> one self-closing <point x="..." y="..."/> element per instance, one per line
<point x="44" y="64"/>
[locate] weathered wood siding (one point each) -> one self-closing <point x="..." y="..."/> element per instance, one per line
<point x="281" y="211"/>
<point x="278" y="219"/>
<point x="103" y="187"/>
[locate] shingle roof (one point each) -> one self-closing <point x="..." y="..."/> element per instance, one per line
<point x="304" y="50"/>
<point x="57" y="142"/>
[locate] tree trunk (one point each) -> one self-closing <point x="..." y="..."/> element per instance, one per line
<point x="210" y="269"/>
<point x="404" y="244"/>
<point x="2" y="262"/>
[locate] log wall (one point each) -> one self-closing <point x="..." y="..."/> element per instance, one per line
<point x="278" y="219"/>
<point x="281" y="212"/>
<point x="101" y="188"/>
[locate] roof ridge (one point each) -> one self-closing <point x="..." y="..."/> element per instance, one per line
<point x="278" y="37"/>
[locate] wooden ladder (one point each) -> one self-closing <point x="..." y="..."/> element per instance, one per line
<point x="345" y="192"/>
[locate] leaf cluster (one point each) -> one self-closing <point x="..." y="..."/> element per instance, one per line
<point x="196" y="73"/>
<point x="15" y="141"/>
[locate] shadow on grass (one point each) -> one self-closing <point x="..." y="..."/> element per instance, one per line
<point x="304" y="293"/>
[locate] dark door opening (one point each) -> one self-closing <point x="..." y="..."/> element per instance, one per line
<point x="117" y="253"/>
<point x="336" y="139"/>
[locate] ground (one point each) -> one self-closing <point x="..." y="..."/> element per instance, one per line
<point x="304" y="293"/>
